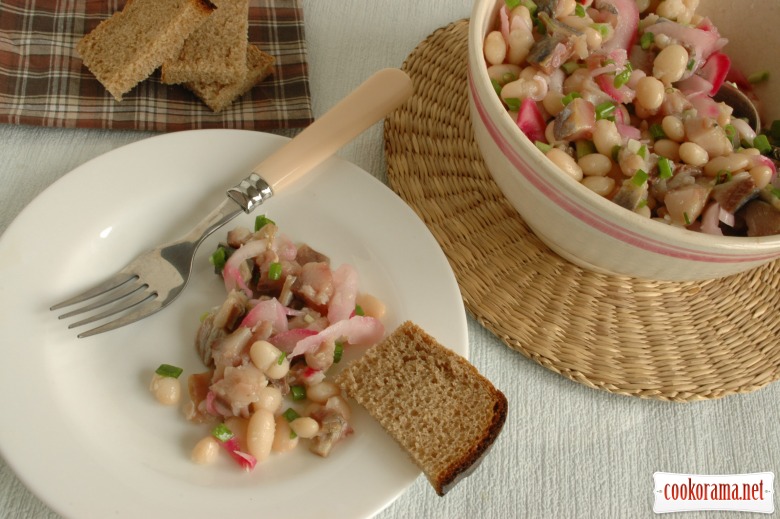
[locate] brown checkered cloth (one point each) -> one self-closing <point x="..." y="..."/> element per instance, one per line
<point x="43" y="82"/>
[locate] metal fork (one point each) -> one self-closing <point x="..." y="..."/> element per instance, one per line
<point x="154" y="279"/>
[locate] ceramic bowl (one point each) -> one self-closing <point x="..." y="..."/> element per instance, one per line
<point x="590" y="230"/>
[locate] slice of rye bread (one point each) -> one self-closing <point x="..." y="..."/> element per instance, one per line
<point x="215" y="52"/>
<point x="127" y="48"/>
<point x="218" y="96"/>
<point x="432" y="401"/>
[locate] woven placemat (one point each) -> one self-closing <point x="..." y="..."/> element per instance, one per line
<point x="662" y="340"/>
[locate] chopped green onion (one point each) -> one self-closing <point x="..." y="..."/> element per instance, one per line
<point x="204" y="315"/>
<point x="732" y="134"/>
<point x="691" y="64"/>
<point x="511" y="4"/>
<point x="570" y="66"/>
<point x="496" y="86"/>
<point x="642" y="151"/>
<point x="723" y="173"/>
<point x="359" y="311"/>
<point x="261" y="221"/>
<point x="222" y="433"/>
<point x="338" y="352"/>
<point x="275" y="271"/>
<point x="657" y="132"/>
<point x="761" y="143"/>
<point x="687" y="219"/>
<point x="665" y="167"/>
<point x="602" y="28"/>
<point x="219" y="258"/>
<point x="775" y="192"/>
<point x="291" y="414"/>
<point x="512" y="103"/>
<point x="166" y="370"/>
<point x="647" y="40"/>
<point x="530" y="5"/>
<point x="583" y="147"/>
<point x="622" y="78"/>
<point x="605" y="110"/>
<point x="579" y="10"/>
<point x="615" y="152"/>
<point x="639" y="178"/>
<point x="642" y="203"/>
<point x="281" y="358"/>
<point x="298" y="392"/>
<point x="758" y="77"/>
<point x="543" y="146"/>
<point x="568" y="98"/>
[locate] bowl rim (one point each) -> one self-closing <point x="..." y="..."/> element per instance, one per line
<point x="483" y="13"/>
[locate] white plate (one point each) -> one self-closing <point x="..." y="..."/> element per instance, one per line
<point x="80" y="427"/>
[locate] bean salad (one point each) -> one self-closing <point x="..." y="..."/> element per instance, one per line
<point x="619" y="95"/>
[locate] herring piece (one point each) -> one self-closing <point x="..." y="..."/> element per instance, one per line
<point x="575" y="121"/>
<point x="735" y="193"/>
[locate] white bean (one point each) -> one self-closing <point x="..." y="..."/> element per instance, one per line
<point x="260" y="434"/>
<point x="762" y="175"/>
<point x="523" y="13"/>
<point x="321" y="392"/>
<point x="673" y="128"/>
<point x="650" y="93"/>
<point x="595" y="164"/>
<point x="495" y="48"/>
<point x="731" y="163"/>
<point x="167" y="390"/>
<point x="565" y="8"/>
<point x="566" y="163"/>
<point x="667" y="148"/>
<point x="279" y="368"/>
<point x="372" y="306"/>
<point x="264" y="354"/>
<point x="503" y="72"/>
<point x="669" y="65"/>
<point x="606" y="136"/>
<point x="552" y="102"/>
<point x="593" y="38"/>
<point x="523" y="88"/>
<point x="600" y="185"/>
<point x="305" y="427"/>
<point x="520" y="42"/>
<point x="205" y="451"/>
<point x="269" y="398"/>
<point x="670" y="9"/>
<point x="284" y="441"/>
<point x="693" y="154"/>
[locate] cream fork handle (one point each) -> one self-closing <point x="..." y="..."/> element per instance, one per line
<point x="380" y="94"/>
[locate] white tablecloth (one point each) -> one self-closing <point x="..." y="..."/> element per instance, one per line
<point x="566" y="450"/>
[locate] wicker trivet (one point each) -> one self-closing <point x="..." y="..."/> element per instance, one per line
<point x="663" y="340"/>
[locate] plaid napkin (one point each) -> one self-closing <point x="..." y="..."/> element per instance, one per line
<point x="43" y="82"/>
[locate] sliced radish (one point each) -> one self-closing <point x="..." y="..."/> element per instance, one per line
<point x="715" y="70"/>
<point x="530" y="120"/>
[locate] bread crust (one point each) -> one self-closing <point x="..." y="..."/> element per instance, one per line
<point x="126" y="48"/>
<point x="409" y="358"/>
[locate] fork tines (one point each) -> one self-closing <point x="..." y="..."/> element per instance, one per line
<point x="121" y="293"/>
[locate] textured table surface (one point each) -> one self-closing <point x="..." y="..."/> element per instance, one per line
<point x="566" y="450"/>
